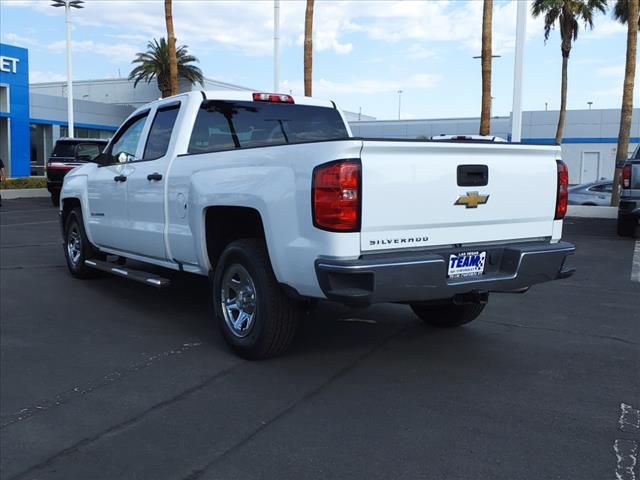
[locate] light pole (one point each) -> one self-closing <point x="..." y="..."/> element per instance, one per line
<point x="399" y="102"/>
<point x="68" y="5"/>
<point x="276" y="45"/>
<point x="516" y="110"/>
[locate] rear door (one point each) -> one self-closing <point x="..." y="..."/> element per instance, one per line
<point x="146" y="182"/>
<point x="423" y="194"/>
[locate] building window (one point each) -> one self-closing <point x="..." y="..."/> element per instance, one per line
<point x="4" y="99"/>
<point x="87" y="132"/>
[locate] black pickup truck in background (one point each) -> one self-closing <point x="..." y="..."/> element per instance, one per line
<point x="67" y="154"/>
<point x="629" y="206"/>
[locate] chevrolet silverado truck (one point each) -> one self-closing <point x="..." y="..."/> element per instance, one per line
<point x="276" y="202"/>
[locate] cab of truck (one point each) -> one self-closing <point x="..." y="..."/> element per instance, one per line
<point x="629" y="206"/>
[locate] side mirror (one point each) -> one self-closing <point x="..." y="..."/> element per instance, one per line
<point x="124" y="157"/>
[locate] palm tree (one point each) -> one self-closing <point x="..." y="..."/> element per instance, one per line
<point x="154" y="63"/>
<point x="626" y="11"/>
<point x="568" y="14"/>
<point x="171" y="40"/>
<point x="485" y="114"/>
<point x="308" y="47"/>
<point x="621" y="11"/>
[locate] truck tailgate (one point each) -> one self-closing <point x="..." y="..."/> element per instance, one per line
<point x="411" y="197"/>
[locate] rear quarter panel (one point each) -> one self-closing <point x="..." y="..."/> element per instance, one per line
<point x="276" y="182"/>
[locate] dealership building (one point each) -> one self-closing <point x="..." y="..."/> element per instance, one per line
<point x="34" y="116"/>
<point x="588" y="147"/>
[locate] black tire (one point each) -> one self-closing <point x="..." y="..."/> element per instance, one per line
<point x="448" y="315"/>
<point x="271" y="328"/>
<point x="55" y="199"/>
<point x="626" y="225"/>
<point x="81" y="250"/>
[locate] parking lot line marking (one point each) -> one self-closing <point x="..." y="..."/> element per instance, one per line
<point x="635" y="266"/>
<point x="629" y="419"/>
<point x="358" y="320"/>
<point x="67" y="396"/>
<point x="627" y="457"/>
<point x="26" y="211"/>
<point x="28" y="223"/>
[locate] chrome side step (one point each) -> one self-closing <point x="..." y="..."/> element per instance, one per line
<point x="135" y="275"/>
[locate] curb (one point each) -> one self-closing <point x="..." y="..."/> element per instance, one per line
<point x="582" y="211"/>
<point x="10" y="194"/>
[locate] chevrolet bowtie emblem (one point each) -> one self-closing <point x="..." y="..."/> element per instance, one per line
<point x="472" y="200"/>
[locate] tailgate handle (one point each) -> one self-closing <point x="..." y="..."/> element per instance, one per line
<point x="473" y="175"/>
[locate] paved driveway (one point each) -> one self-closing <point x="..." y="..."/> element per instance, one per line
<point x="106" y="379"/>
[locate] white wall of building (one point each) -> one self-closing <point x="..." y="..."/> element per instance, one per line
<point x="589" y="144"/>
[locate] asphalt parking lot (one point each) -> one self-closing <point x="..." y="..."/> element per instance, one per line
<point x="107" y="379"/>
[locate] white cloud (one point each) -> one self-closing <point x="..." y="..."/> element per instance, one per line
<point x="117" y="53"/>
<point x="418" y="52"/>
<point x="328" y="88"/>
<point x="18" y="40"/>
<point x="611" y="71"/>
<point x="247" y="26"/>
<point x="42" y="77"/>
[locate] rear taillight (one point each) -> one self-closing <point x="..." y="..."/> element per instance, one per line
<point x="626" y="176"/>
<point x="272" y="97"/>
<point x="336" y="192"/>
<point x="563" y="190"/>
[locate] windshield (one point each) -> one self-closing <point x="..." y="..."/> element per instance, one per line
<point x="64" y="149"/>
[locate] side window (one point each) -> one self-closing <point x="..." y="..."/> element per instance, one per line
<point x="211" y="132"/>
<point x="160" y="133"/>
<point x="127" y="141"/>
<point x="87" y="151"/>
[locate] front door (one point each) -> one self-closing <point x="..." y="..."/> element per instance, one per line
<point x="107" y="219"/>
<point x="107" y="187"/>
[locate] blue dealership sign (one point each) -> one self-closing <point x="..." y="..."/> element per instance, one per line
<point x="14" y="78"/>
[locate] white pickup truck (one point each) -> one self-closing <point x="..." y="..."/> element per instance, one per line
<point x="272" y="198"/>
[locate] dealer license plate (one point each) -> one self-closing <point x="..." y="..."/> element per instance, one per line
<point x="466" y="264"/>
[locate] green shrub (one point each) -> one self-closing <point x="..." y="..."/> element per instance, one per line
<point x="25" y="182"/>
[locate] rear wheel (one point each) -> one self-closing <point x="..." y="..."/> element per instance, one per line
<point x="257" y="319"/>
<point x="55" y="199"/>
<point x="626" y="225"/>
<point x="77" y="248"/>
<point x="447" y="315"/>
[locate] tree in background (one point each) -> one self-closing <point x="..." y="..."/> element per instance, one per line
<point x="154" y="63"/>
<point x="485" y="114"/>
<point x="308" y="48"/>
<point x="171" y="41"/>
<point x="568" y="14"/>
<point x="626" y="11"/>
<point x="621" y="11"/>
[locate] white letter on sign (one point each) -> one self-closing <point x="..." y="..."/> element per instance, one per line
<point x="8" y="64"/>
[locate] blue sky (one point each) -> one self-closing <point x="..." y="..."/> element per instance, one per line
<point x="364" y="51"/>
